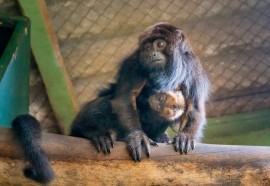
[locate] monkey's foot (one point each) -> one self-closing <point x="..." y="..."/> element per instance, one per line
<point x="184" y="142"/>
<point x="163" y="138"/>
<point x="135" y="140"/>
<point x="103" y="142"/>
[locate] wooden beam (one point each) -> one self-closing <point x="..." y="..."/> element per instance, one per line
<point x="47" y="54"/>
<point x="76" y="162"/>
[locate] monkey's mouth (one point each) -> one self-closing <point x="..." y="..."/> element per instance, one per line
<point x="156" y="65"/>
<point x="158" y="61"/>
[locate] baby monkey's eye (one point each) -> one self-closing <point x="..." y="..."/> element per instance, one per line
<point x="161" y="98"/>
<point x="175" y="107"/>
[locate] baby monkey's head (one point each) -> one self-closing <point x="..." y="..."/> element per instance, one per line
<point x="169" y="105"/>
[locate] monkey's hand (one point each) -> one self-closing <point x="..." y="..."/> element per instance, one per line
<point x="135" y="140"/>
<point x="103" y="142"/>
<point x="163" y="138"/>
<point x="184" y="142"/>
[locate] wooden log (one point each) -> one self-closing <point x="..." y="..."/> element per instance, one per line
<point x="76" y="162"/>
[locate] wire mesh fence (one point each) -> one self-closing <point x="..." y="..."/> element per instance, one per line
<point x="232" y="39"/>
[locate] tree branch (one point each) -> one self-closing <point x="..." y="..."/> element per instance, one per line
<point x="207" y="164"/>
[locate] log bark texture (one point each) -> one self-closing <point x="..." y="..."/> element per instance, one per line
<point x="76" y="162"/>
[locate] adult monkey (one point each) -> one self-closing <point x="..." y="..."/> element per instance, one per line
<point x="163" y="62"/>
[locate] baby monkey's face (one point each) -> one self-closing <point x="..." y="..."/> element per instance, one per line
<point x="169" y="105"/>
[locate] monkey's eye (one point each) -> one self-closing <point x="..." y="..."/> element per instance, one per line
<point x="160" y="44"/>
<point x="161" y="98"/>
<point x="147" y="46"/>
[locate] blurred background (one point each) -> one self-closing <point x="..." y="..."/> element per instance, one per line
<point x="231" y="38"/>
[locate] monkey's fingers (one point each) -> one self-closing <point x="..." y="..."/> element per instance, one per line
<point x="164" y="138"/>
<point x="135" y="140"/>
<point x="111" y="139"/>
<point x="167" y="139"/>
<point x="95" y="142"/>
<point x="183" y="143"/>
<point x="169" y="142"/>
<point x="176" y="141"/>
<point x="139" y="153"/>
<point x="153" y="143"/>
<point x="108" y="143"/>
<point x="192" y="144"/>
<point x="147" y="142"/>
<point x="189" y="144"/>
<point x="132" y="152"/>
<point x="103" y="145"/>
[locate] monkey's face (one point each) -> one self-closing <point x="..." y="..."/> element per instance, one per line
<point x="161" y="54"/>
<point x="169" y="105"/>
<point x="152" y="54"/>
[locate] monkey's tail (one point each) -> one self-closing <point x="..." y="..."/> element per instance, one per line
<point x="28" y="132"/>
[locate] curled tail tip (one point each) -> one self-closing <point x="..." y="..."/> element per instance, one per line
<point x="28" y="132"/>
<point x="44" y="177"/>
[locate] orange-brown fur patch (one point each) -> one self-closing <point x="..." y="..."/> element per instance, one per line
<point x="135" y="93"/>
<point x="184" y="118"/>
<point x="169" y="105"/>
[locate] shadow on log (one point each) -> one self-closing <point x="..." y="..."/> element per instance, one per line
<point x="76" y="162"/>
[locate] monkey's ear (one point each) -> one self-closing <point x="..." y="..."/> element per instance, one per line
<point x="179" y="34"/>
<point x="184" y="44"/>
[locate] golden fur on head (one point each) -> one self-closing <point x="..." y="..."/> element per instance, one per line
<point x="169" y="105"/>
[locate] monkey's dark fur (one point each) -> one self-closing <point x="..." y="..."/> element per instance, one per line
<point x="27" y="130"/>
<point x="96" y="116"/>
<point x="167" y="106"/>
<point x="163" y="62"/>
<point x="162" y="110"/>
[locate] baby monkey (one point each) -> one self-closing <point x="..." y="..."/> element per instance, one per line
<point x="165" y="110"/>
<point x="169" y="105"/>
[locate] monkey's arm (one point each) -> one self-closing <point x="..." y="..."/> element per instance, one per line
<point x="94" y="122"/>
<point x="193" y="119"/>
<point x="124" y="105"/>
<point x="130" y="83"/>
<point x="114" y="110"/>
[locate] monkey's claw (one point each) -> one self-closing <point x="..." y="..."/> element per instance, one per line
<point x="103" y="142"/>
<point x="184" y="142"/>
<point x="135" y="140"/>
